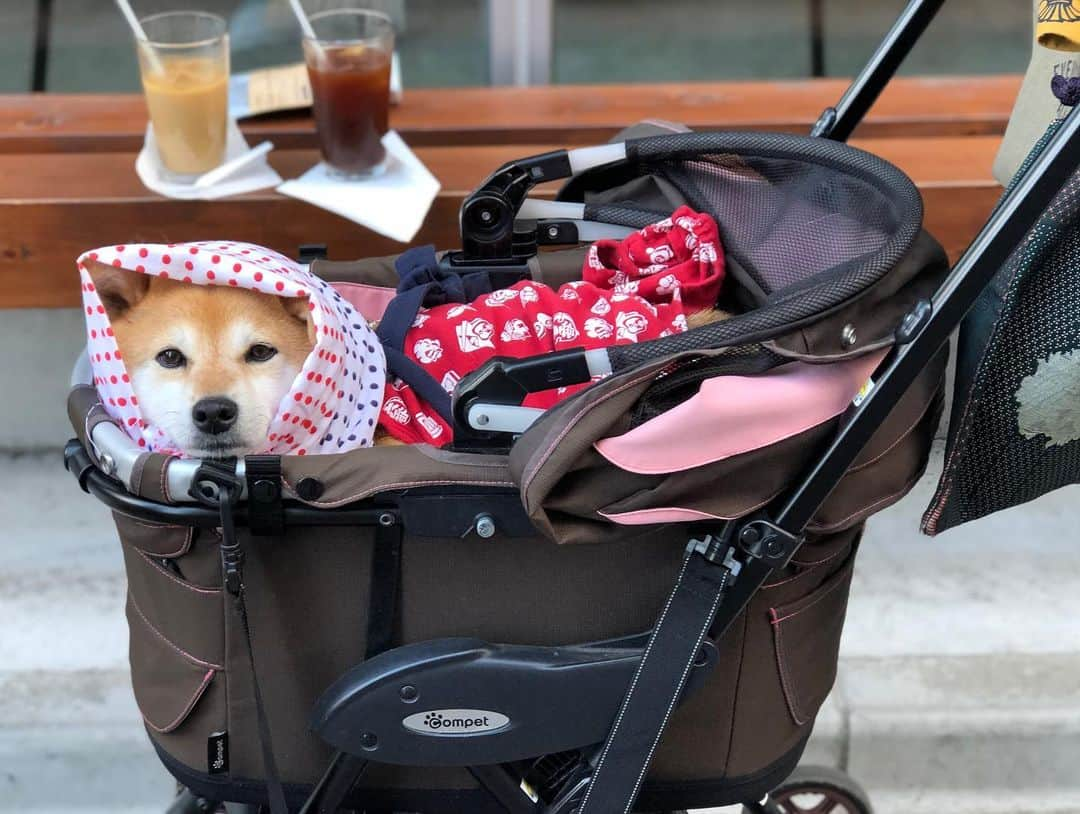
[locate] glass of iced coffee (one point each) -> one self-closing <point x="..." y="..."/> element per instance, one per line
<point x="184" y="63"/>
<point x="348" y="62"/>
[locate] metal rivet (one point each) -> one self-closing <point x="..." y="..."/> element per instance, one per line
<point x="369" y="740"/>
<point x="553" y="231"/>
<point x="108" y="463"/>
<point x="310" y="488"/>
<point x="774" y="547"/>
<point x="485" y="526"/>
<point x="209" y="490"/>
<point x="848" y="335"/>
<point x="387" y="519"/>
<point x="409" y="693"/>
<point x="485" y="215"/>
<point x="750" y="535"/>
<point x="483" y="419"/>
<point x="265" y="491"/>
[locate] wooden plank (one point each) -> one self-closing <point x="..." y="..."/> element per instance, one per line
<point x="565" y="115"/>
<point x="53" y="207"/>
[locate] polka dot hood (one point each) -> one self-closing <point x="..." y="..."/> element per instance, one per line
<point x="334" y="402"/>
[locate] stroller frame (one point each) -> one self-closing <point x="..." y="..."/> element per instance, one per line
<point x="726" y="562"/>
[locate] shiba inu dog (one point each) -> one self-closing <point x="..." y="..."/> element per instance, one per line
<point x="209" y="364"/>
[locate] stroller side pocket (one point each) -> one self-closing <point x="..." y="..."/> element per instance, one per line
<point x="806" y="637"/>
<point x="177" y="639"/>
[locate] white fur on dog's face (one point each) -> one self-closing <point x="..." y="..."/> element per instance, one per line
<point x="183" y="343"/>
<point x="215" y="366"/>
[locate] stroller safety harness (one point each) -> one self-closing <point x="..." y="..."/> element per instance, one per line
<point x="565" y="612"/>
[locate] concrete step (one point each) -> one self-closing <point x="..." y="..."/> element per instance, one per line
<point x="957" y="689"/>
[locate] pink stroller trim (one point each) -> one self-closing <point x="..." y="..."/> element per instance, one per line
<point x="731" y="415"/>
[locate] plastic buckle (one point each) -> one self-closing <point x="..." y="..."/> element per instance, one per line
<point x="216" y="485"/>
<point x="768" y="542"/>
<point x="213" y="479"/>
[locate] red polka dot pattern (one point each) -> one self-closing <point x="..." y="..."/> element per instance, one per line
<point x="331" y="396"/>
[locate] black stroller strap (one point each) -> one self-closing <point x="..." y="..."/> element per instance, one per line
<point x="657" y="686"/>
<point x="232" y="561"/>
<point x="385" y="579"/>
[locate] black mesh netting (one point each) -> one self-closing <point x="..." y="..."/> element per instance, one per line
<point x="1014" y="433"/>
<point x="813" y="222"/>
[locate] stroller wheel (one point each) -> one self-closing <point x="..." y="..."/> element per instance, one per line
<point x="819" y="790"/>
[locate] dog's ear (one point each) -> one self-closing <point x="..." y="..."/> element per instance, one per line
<point x="297" y="307"/>
<point x="118" y="289"/>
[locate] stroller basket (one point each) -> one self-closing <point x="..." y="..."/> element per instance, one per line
<point x="384" y="547"/>
<point x="492" y="627"/>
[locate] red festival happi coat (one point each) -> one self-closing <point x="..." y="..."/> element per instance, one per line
<point x="633" y="290"/>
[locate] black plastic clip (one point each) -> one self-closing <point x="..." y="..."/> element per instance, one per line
<point x="825" y="124"/>
<point x="914" y="321"/>
<point x="309" y="252"/>
<point x="716" y="549"/>
<point x="768" y="542"/>
<point x="216" y="484"/>
<point x="266" y="514"/>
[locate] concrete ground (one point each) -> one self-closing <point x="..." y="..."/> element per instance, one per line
<point x="957" y="689"/>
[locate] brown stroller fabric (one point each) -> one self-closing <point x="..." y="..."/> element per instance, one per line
<point x="556" y="569"/>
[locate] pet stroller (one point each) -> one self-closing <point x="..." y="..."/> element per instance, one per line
<point x="631" y="601"/>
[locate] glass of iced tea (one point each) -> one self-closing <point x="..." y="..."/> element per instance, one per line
<point x="184" y="63"/>
<point x="348" y="62"/>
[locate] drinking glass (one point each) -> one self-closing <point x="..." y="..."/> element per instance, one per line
<point x="184" y="63"/>
<point x="348" y="63"/>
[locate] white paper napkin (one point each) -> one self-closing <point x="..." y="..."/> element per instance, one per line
<point x="257" y="175"/>
<point x="393" y="203"/>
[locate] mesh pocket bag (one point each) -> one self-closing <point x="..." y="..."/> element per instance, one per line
<point x="1015" y="428"/>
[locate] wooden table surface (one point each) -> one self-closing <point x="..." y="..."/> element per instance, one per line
<point x="67" y="180"/>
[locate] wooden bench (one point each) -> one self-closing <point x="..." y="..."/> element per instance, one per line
<point x="67" y="181"/>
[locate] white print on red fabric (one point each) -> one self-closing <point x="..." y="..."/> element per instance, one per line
<point x="499" y="297"/>
<point x="597" y="328"/>
<point x="430" y="425"/>
<point x="450" y="380"/>
<point x="541" y="325"/>
<point x="334" y="401"/>
<point x="427" y="351"/>
<point x="706" y="253"/>
<point x="474" y="334"/>
<point x="564" y="328"/>
<point x="629" y="325"/>
<point x="396" y="408"/>
<point x="660" y="257"/>
<point x="617" y="302"/>
<point x="421" y="318"/>
<point x="667" y="284"/>
<point x="515" y="331"/>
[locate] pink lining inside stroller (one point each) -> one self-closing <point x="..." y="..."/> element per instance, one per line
<point x="369" y="300"/>
<point x="732" y="415"/>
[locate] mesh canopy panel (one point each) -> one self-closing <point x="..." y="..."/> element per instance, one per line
<point x="813" y="222"/>
<point x="786" y="221"/>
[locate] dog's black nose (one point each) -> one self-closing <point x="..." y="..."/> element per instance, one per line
<point x="214" y="415"/>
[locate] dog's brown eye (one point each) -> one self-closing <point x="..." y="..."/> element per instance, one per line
<point x="260" y="353"/>
<point x="171" y="357"/>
